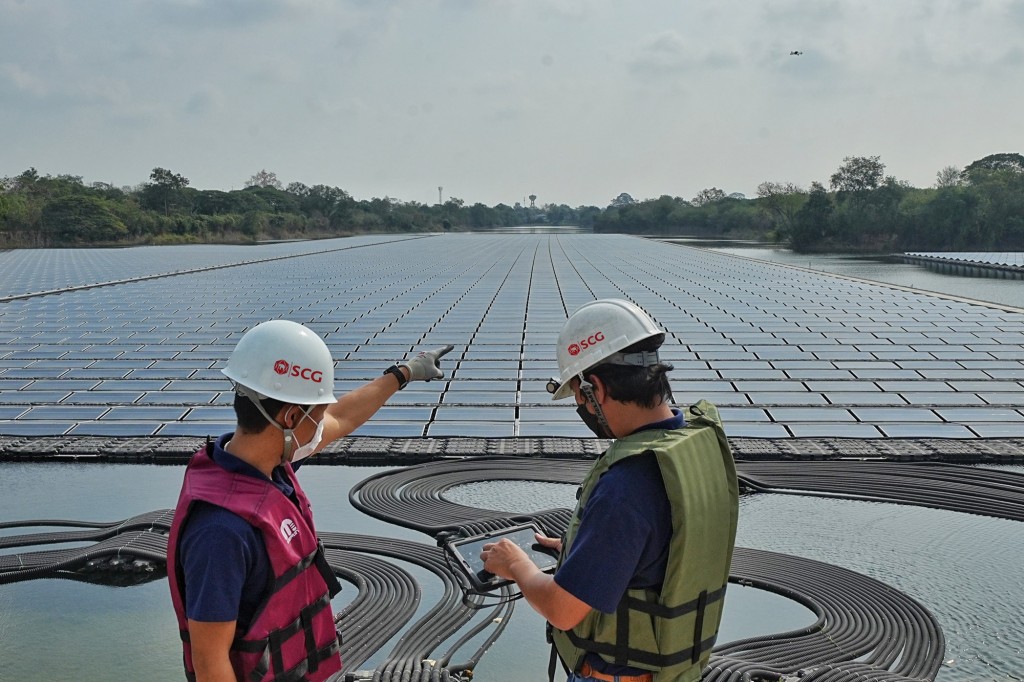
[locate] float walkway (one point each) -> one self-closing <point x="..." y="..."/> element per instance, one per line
<point x="997" y="265"/>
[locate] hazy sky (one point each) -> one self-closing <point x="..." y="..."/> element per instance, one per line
<point x="572" y="100"/>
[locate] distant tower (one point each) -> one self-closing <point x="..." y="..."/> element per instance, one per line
<point x="533" y="198"/>
<point x="439" y="199"/>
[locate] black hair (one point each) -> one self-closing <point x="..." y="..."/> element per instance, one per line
<point x="644" y="386"/>
<point x="250" y="419"/>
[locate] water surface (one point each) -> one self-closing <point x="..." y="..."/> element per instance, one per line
<point x="1005" y="291"/>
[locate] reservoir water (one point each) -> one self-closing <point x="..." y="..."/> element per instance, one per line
<point x="1007" y="292"/>
<point x="966" y="569"/>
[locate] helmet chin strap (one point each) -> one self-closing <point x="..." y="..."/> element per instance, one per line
<point x="289" y="434"/>
<point x="587" y="389"/>
<point x="289" y="445"/>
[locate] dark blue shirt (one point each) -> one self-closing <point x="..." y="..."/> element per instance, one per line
<point x="225" y="562"/>
<point x="623" y="537"/>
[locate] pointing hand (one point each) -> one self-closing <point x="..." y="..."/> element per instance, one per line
<point x="426" y="365"/>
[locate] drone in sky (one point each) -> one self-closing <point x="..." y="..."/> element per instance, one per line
<point x="795" y="53"/>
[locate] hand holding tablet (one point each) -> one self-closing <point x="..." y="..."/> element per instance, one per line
<point x="466" y="552"/>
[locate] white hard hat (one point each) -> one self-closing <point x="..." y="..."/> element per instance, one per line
<point x="595" y="334"/>
<point x="285" y="361"/>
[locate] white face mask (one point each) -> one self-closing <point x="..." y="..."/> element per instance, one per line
<point x="304" y="451"/>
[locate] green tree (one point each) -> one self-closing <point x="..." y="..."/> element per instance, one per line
<point x="587" y="216"/>
<point x="561" y="214"/>
<point x="737" y="217"/>
<point x="330" y="203"/>
<point x="411" y="216"/>
<point x="1005" y="161"/>
<point x="5" y="225"/>
<point x="264" y="178"/>
<point x="505" y="215"/>
<point x="781" y="201"/>
<point x="80" y="219"/>
<point x="706" y="196"/>
<point x="939" y="219"/>
<point x="26" y="181"/>
<point x="164" y="191"/>
<point x="622" y="200"/>
<point x="857" y="174"/>
<point x="812" y="224"/>
<point x="481" y="216"/>
<point x="872" y="219"/>
<point x="273" y="198"/>
<point x="455" y="214"/>
<point x="1000" y="195"/>
<point x="214" y="202"/>
<point x="949" y="176"/>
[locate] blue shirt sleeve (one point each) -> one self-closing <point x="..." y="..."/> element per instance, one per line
<point x="623" y="535"/>
<point x="223" y="559"/>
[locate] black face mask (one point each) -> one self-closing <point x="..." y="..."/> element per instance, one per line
<point x="592" y="422"/>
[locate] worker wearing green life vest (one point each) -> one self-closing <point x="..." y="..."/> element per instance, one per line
<point x="640" y="585"/>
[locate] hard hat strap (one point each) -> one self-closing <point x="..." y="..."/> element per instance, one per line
<point x="587" y="389"/>
<point x="290" y="443"/>
<point x="256" y="399"/>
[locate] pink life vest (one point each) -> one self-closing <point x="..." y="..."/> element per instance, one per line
<point x="292" y="636"/>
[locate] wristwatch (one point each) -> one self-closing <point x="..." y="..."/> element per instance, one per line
<point x="402" y="381"/>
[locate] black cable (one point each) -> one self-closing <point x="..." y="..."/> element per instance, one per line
<point x="864" y="629"/>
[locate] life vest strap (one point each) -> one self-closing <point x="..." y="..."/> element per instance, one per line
<point x="333" y="585"/>
<point x="276" y="644"/>
<point x="619" y="651"/>
<point x="641" y="656"/>
<point x="255" y="646"/>
<point x="315" y="558"/>
<point x="621" y="645"/>
<point x="698" y="623"/>
<point x="305" y="562"/>
<point x="662" y="611"/>
<point x="307" y="627"/>
<point x="300" y="670"/>
<point x="270" y="647"/>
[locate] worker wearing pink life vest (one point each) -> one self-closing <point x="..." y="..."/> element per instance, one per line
<point x="250" y="586"/>
<point x="309" y="650"/>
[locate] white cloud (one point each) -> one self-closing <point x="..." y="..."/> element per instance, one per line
<point x="663" y="54"/>
<point x="22" y="80"/>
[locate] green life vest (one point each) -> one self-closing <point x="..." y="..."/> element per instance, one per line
<point x="669" y="631"/>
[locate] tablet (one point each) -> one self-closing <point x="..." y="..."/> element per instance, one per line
<point x="466" y="552"/>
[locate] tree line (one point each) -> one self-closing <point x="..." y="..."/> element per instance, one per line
<point x="58" y="211"/>
<point x="978" y="207"/>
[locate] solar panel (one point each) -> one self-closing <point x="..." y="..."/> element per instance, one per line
<point x="760" y="339"/>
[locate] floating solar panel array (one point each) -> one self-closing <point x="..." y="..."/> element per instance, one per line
<point x="29" y="271"/>
<point x="783" y="351"/>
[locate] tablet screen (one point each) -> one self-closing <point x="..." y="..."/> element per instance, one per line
<point x="468" y="551"/>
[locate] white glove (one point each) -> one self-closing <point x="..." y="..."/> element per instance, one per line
<point x="426" y="365"/>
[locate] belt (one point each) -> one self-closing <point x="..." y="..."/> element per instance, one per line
<point x="587" y="671"/>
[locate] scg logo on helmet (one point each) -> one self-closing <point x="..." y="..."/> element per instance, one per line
<point x="282" y="367"/>
<point x="592" y="340"/>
